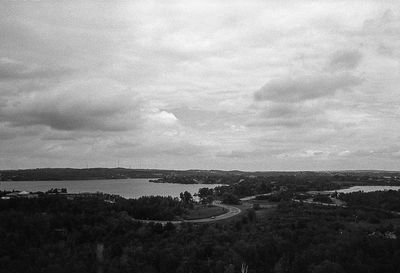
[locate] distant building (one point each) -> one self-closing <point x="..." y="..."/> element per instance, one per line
<point x="22" y="194"/>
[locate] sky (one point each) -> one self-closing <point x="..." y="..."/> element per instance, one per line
<point x="247" y="85"/>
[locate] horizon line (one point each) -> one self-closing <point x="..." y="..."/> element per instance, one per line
<point x="220" y="170"/>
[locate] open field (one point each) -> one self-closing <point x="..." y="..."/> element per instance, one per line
<point x="243" y="210"/>
<point x="201" y="211"/>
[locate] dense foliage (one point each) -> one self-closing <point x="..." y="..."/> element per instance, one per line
<point x="385" y="200"/>
<point x="147" y="207"/>
<point x="228" y="198"/>
<point x="89" y="235"/>
<point x="153" y="207"/>
<point x="322" y="199"/>
<point x="283" y="186"/>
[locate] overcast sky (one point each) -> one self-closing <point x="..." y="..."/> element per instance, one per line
<point x="249" y="85"/>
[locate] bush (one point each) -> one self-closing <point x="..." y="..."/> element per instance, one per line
<point x="228" y="198"/>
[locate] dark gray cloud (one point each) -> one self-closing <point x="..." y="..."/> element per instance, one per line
<point x="74" y="119"/>
<point x="11" y="133"/>
<point x="282" y="111"/>
<point x="5" y="135"/>
<point x="87" y="106"/>
<point x="68" y="120"/>
<point x="305" y="88"/>
<point x="13" y="70"/>
<point x="58" y="137"/>
<point x="345" y="60"/>
<point x="293" y="119"/>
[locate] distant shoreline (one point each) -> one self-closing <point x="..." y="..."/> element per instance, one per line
<point x="60" y="174"/>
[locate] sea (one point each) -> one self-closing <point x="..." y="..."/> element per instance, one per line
<point x="128" y="188"/>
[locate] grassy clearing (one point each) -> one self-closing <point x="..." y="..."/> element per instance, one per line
<point x="265" y="213"/>
<point x="201" y="211"/>
<point x="239" y="216"/>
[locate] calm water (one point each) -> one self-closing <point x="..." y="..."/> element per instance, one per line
<point x="128" y="188"/>
<point x="369" y="189"/>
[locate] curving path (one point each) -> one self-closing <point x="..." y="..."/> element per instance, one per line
<point x="232" y="211"/>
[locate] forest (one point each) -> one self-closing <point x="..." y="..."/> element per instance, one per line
<point x="382" y="200"/>
<point x="54" y="234"/>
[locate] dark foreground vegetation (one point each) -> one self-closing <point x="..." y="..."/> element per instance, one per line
<point x="147" y="207"/>
<point x="97" y="234"/>
<point x="383" y="200"/>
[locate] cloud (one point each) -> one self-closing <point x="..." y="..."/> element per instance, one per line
<point x="175" y="84"/>
<point x="58" y="137"/>
<point x="381" y="32"/>
<point x="289" y="115"/>
<point x="162" y="117"/>
<point x="387" y="24"/>
<point x="306" y="154"/>
<point x="250" y="153"/>
<point x="206" y="119"/>
<point x="282" y="110"/>
<point x="235" y="154"/>
<point x="302" y="102"/>
<point x="345" y="60"/>
<point x="86" y="105"/>
<point x="157" y="147"/>
<point x="183" y="149"/>
<point x="13" y="70"/>
<point x="381" y="152"/>
<point x="7" y="134"/>
<point x="305" y="88"/>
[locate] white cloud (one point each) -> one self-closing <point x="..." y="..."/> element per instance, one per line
<point x="163" y="117"/>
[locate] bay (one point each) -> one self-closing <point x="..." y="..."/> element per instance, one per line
<point x="128" y="188"/>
